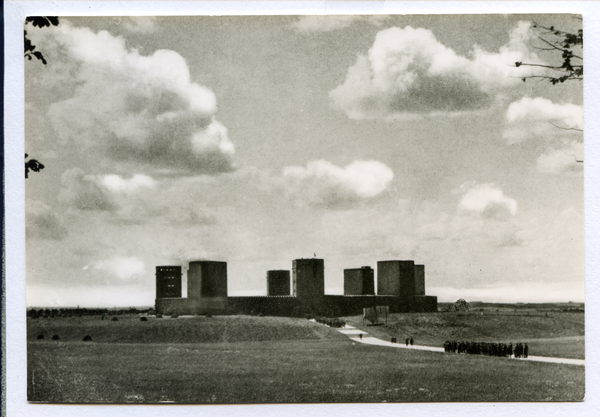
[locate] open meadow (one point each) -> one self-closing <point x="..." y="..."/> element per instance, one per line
<point x="548" y="333"/>
<point x="246" y="359"/>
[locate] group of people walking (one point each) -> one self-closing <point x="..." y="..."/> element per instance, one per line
<point x="407" y="340"/>
<point x="487" y="348"/>
<point x="331" y="322"/>
<point x="521" y="350"/>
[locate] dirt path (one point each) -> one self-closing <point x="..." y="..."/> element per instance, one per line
<point x="355" y="334"/>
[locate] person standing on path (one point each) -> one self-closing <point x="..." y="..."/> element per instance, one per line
<point x="411" y="341"/>
<point x="406" y="340"/>
<point x="360" y="336"/>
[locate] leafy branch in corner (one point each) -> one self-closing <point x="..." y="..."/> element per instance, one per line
<point x="37" y="21"/>
<point x="32" y="165"/>
<point x="30" y="52"/>
<point x="571" y="67"/>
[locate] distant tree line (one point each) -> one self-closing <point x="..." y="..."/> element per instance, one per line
<point x="80" y="312"/>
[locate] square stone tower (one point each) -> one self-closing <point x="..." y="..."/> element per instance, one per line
<point x="419" y="279"/>
<point x="278" y="282"/>
<point x="359" y="281"/>
<point x="308" y="282"/>
<point x="397" y="278"/>
<point x="168" y="281"/>
<point x="207" y="279"/>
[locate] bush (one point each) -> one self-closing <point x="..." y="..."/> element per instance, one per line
<point x="115" y="319"/>
<point x="40" y="337"/>
<point x="55" y="337"/>
<point x="143" y="319"/>
<point x="331" y="322"/>
<point x="87" y="338"/>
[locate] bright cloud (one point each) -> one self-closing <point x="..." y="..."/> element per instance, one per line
<point x="118" y="184"/>
<point x="557" y="161"/>
<point x="534" y="117"/>
<point x="136" y="108"/>
<point x="42" y="222"/>
<point x="486" y="200"/>
<point x="122" y="268"/>
<point x="322" y="183"/>
<point x="408" y="72"/>
<point x="329" y="23"/>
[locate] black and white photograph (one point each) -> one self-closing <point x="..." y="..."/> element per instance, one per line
<point x="304" y="209"/>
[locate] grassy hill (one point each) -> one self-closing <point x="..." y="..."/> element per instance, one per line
<point x="196" y="329"/>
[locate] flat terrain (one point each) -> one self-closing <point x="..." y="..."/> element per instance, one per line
<point x="242" y="359"/>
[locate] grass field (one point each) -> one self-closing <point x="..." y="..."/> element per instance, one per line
<point x="241" y="359"/>
<point x="558" y="334"/>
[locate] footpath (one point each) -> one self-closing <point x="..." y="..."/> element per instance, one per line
<point x="355" y="335"/>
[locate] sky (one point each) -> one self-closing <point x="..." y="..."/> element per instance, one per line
<point x="257" y="140"/>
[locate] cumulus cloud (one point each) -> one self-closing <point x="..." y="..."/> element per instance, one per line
<point x="117" y="183"/>
<point x="534" y="117"/>
<point x="407" y="72"/>
<point x="486" y="200"/>
<point x="121" y="267"/>
<point x="558" y="161"/>
<point x="330" y="23"/>
<point x="42" y="222"/>
<point x="136" y="200"/>
<point x="322" y="183"/>
<point x="136" y="108"/>
<point x="83" y="192"/>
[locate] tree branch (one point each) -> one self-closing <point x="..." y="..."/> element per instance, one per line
<point x="565" y="128"/>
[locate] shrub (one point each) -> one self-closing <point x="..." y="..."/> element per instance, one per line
<point x="55" y="337"/>
<point x="143" y="319"/>
<point x="87" y="338"/>
<point x="40" y="337"/>
<point x="115" y="319"/>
